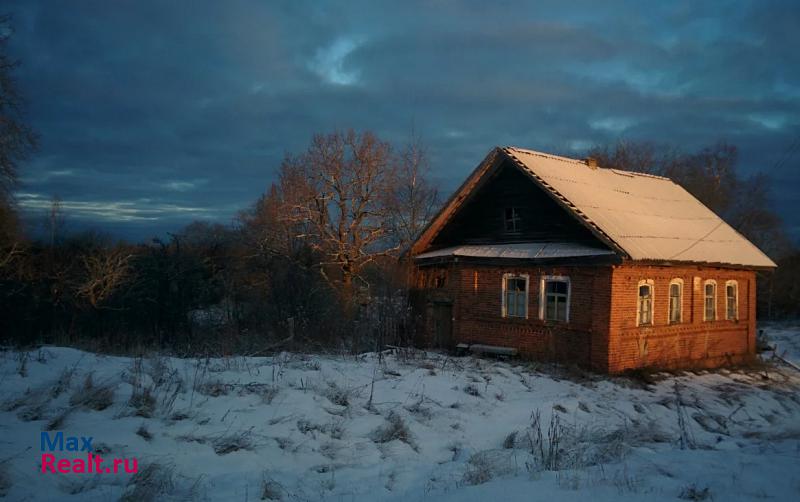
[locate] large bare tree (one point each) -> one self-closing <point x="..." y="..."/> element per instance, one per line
<point x="336" y="197"/>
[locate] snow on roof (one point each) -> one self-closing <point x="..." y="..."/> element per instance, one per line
<point x="648" y="217"/>
<point x="525" y="251"/>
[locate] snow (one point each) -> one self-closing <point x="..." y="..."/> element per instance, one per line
<point x="650" y="217"/>
<point x="431" y="427"/>
<point x="527" y="251"/>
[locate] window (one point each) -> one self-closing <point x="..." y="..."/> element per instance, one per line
<point x="554" y="299"/>
<point x="731" y="300"/>
<point x="644" y="313"/>
<point x="710" y="305"/>
<point x="515" y="295"/>
<point x="511" y="219"/>
<point x="675" y="301"/>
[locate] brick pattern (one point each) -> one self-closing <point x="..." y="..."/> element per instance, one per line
<point x="602" y="331"/>
<point x="690" y="343"/>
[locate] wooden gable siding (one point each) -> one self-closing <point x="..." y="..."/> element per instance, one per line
<point x="481" y="219"/>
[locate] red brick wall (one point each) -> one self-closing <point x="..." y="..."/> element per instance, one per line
<point x="477" y="312"/>
<point x="693" y="342"/>
<point x="602" y="331"/>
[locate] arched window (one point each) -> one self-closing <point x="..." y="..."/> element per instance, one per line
<point x="710" y="300"/>
<point x="731" y="300"/>
<point x="675" y="301"/>
<point x="644" y="313"/>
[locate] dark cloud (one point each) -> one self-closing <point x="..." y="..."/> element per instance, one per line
<point x="156" y="113"/>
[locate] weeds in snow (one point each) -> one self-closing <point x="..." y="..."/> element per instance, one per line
<point x="271" y="489"/>
<point x="472" y="390"/>
<point x="93" y="396"/>
<point x="63" y="383"/>
<point x="692" y="492"/>
<point x="337" y="395"/>
<point x="394" y="429"/>
<point x="230" y="443"/>
<point x="153" y="482"/>
<point x="144" y="433"/>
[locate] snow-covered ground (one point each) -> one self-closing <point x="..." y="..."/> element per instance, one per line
<point x="430" y="427"/>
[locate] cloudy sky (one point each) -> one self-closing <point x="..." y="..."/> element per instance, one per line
<point x="153" y="114"/>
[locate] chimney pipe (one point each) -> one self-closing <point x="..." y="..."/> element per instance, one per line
<point x="591" y="162"/>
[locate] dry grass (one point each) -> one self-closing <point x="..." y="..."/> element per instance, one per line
<point x="93" y="396"/>
<point x="153" y="482"/>
<point x="395" y="428"/>
<point x="692" y="492"/>
<point x="143" y="433"/>
<point x="230" y="443"/>
<point x="271" y="489"/>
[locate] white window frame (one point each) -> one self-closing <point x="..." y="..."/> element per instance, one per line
<point x="673" y="282"/>
<point x="504" y="308"/>
<point x="706" y="283"/>
<point x="650" y="283"/>
<point x="735" y="285"/>
<point x="543" y="295"/>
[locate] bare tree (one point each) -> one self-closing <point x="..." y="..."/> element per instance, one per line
<point x="17" y="139"/>
<point x="106" y="270"/>
<point x="335" y="197"/>
<point x="413" y="200"/>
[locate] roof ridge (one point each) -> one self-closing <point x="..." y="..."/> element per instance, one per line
<point x="545" y="155"/>
<point x="615" y="170"/>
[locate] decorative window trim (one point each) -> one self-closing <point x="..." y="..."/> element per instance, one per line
<point x="504" y="307"/>
<point x="735" y="285"/>
<point x="650" y="283"/>
<point x="543" y="295"/>
<point x="679" y="282"/>
<point x="705" y="297"/>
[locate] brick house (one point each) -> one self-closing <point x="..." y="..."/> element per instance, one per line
<point x="562" y="260"/>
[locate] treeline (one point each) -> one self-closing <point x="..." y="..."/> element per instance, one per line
<point x="311" y="264"/>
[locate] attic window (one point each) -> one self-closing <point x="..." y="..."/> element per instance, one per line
<point x="511" y="219"/>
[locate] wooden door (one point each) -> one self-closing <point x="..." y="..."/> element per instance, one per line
<point x="443" y="325"/>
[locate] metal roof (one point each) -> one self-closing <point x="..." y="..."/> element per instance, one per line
<point x="523" y="251"/>
<point x="648" y="217"/>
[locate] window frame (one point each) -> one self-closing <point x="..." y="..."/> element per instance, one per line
<point x="514" y="220"/>
<point x="504" y="306"/>
<point x="650" y="283"/>
<point x="543" y="297"/>
<point x="706" y="318"/>
<point x="735" y="285"/>
<point x="675" y="282"/>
